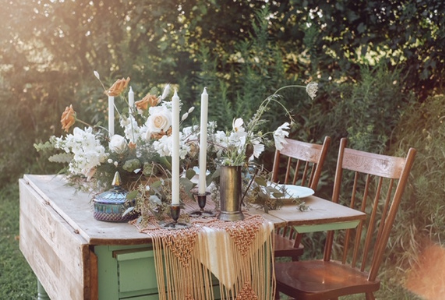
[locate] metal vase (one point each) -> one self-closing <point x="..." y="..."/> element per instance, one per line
<point x="230" y="193"/>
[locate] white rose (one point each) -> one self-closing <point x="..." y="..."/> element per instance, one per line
<point x="118" y="144"/>
<point x="160" y="119"/>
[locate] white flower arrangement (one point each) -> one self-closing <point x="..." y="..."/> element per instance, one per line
<point x="143" y="149"/>
<point x="244" y="142"/>
<point x="87" y="151"/>
<point x="142" y="152"/>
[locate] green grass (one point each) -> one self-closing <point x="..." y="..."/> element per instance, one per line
<point x="17" y="281"/>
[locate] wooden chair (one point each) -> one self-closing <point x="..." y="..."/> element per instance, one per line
<point x="376" y="186"/>
<point x="305" y="161"/>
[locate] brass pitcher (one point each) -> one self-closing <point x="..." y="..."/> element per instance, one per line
<point x="230" y="193"/>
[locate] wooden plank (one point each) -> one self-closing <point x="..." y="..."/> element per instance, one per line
<point x="57" y="254"/>
<point x="278" y="222"/>
<point x="372" y="163"/>
<point x="307" y="151"/>
<point x="320" y="211"/>
<point x="76" y="207"/>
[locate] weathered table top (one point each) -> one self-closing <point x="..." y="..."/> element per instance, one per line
<point x="76" y="208"/>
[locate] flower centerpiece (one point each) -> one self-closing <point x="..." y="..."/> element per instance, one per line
<point x="142" y="149"/>
<point x="245" y="142"/>
<point x="141" y="153"/>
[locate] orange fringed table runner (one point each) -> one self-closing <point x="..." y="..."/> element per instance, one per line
<point x="239" y="254"/>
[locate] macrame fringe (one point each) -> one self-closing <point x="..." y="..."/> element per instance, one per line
<point x="179" y="256"/>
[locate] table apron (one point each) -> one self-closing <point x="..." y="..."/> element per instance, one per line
<point x="326" y="227"/>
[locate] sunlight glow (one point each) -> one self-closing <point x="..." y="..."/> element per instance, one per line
<point x="427" y="277"/>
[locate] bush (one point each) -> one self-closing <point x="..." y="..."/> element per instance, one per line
<point x="422" y="127"/>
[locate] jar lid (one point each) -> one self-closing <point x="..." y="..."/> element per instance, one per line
<point x="116" y="195"/>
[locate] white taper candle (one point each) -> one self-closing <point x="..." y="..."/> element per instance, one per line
<point x="175" y="149"/>
<point x="203" y="143"/>
<point x="130" y="100"/>
<point x="111" y="115"/>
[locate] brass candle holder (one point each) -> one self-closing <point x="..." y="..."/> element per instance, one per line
<point x="202" y="199"/>
<point x="175" y="211"/>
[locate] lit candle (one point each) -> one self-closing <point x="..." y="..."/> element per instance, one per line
<point x="131" y="100"/>
<point x="175" y="149"/>
<point x="203" y="143"/>
<point x="111" y="115"/>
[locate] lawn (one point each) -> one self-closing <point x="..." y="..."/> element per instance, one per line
<point x="17" y="280"/>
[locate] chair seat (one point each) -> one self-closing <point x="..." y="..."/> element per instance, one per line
<point x="319" y="279"/>
<point x="284" y="247"/>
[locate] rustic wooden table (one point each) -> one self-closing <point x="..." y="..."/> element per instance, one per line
<point x="75" y="256"/>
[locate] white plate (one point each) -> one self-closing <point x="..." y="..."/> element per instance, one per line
<point x="297" y="191"/>
<point x="293" y="191"/>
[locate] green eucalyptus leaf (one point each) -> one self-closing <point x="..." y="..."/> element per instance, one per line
<point x="215" y="174"/>
<point x="261" y="181"/>
<point x="278" y="195"/>
<point x="190" y="173"/>
<point x="132" y="195"/>
<point x="156" y="184"/>
<point x="188" y="186"/>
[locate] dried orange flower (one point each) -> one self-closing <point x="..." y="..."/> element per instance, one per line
<point x="132" y="145"/>
<point x="159" y="135"/>
<point x="118" y="87"/>
<point x="146" y="102"/>
<point x="68" y="118"/>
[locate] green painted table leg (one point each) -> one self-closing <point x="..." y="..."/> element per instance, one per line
<point x="41" y="293"/>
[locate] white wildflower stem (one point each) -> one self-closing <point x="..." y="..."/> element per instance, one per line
<point x="98" y="78"/>
<point x="289" y="86"/>
<point x="84" y="123"/>
<point x="89" y="125"/>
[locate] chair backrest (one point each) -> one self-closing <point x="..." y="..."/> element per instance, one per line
<point x="375" y="186"/>
<point x="304" y="160"/>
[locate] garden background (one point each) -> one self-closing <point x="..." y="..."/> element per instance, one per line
<point x="379" y="65"/>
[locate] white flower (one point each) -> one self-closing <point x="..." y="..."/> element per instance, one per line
<point x="237" y="125"/>
<point x="166" y="92"/>
<point x="191" y="109"/>
<point x="220" y="139"/>
<point x="184" y="116"/>
<point x="131" y="129"/>
<point x="190" y="131"/>
<point x="238" y="139"/>
<point x="160" y="119"/>
<point x="257" y="150"/>
<point x="184" y="149"/>
<point x="118" y="144"/>
<point x="110" y="161"/>
<point x="163" y="146"/>
<point x="87" y="151"/>
<point x="280" y="134"/>
<point x="97" y="75"/>
<point x="311" y="89"/>
<point x="190" y="135"/>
